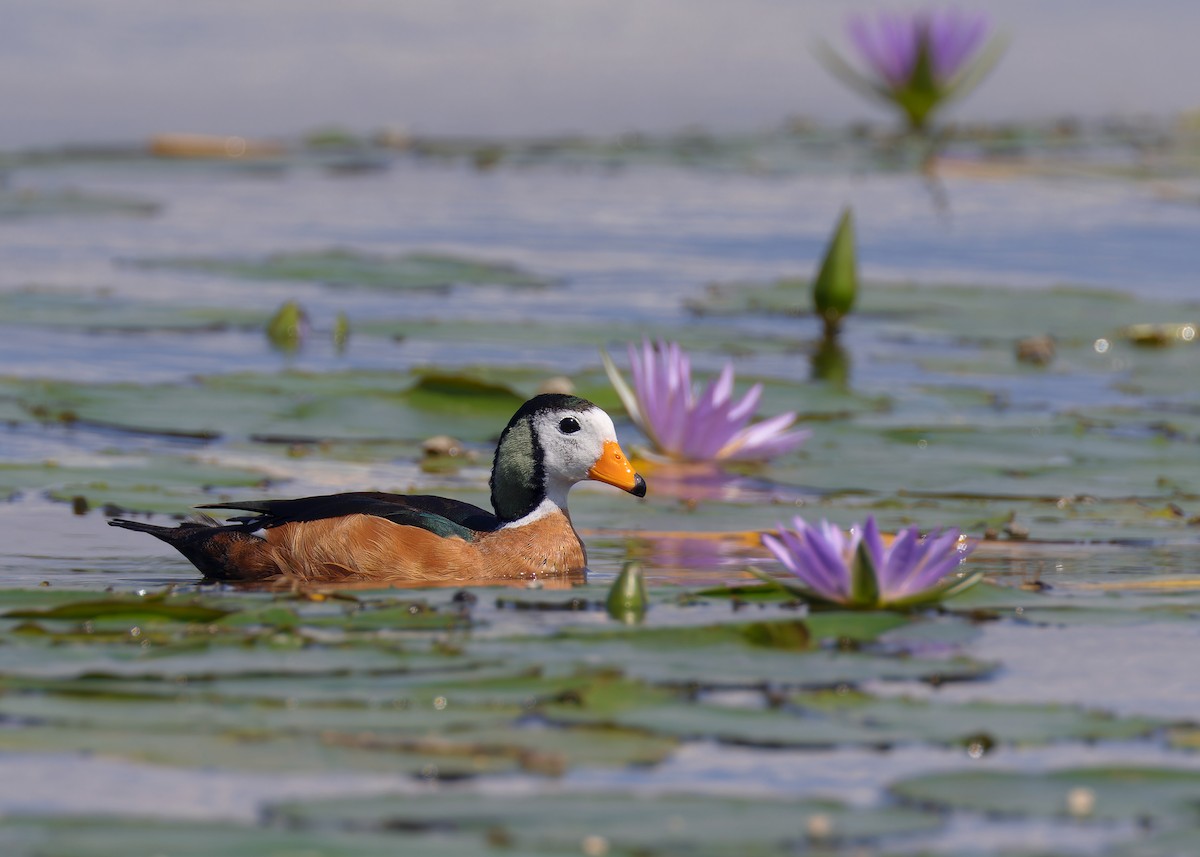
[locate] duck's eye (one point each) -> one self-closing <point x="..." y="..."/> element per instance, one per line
<point x="570" y="425"/>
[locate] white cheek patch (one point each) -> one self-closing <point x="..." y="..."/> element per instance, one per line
<point x="604" y="425"/>
<point x="570" y="456"/>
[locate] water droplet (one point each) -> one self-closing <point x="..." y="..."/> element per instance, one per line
<point x="819" y="826"/>
<point x="594" y="845"/>
<point x="1187" y="333"/>
<point x="922" y="443"/>
<point x="1101" y="346"/>
<point x="439" y="703"/>
<point x="1081" y="802"/>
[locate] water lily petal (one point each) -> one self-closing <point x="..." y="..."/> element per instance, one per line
<point x="890" y="44"/>
<point x="809" y="567"/>
<point x="798" y="557"/>
<point x="772" y="448"/>
<point x="721" y="390"/>
<point x="642" y="371"/>
<point x="688" y="424"/>
<point x="898" y="38"/>
<point x="764" y="439"/>
<point x="628" y="397"/>
<point x="830" y="567"/>
<point x="707" y="429"/>
<point x="942" y="556"/>
<point x="744" y="409"/>
<point x="855" y="569"/>
<point x="785" y="556"/>
<point x="677" y="377"/>
<point x="873" y="540"/>
<point x="953" y="36"/>
<point x="901" y="556"/>
<point x="935" y="556"/>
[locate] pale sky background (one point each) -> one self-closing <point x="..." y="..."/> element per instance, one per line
<point x="119" y="70"/>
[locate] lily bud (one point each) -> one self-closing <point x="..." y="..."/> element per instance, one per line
<point x="626" y="600"/>
<point x="836" y="286"/>
<point x="288" y="327"/>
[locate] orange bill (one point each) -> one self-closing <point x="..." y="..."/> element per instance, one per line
<point x="614" y="468"/>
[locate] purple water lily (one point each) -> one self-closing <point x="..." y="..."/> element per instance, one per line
<point x="892" y="44"/>
<point x="920" y="60"/>
<point x="686" y="426"/>
<point x="855" y="568"/>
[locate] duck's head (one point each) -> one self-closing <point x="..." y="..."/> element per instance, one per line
<point x="552" y="442"/>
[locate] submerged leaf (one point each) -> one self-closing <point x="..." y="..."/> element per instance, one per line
<point x="778" y="635"/>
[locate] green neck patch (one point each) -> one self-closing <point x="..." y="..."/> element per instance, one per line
<point x="518" y="481"/>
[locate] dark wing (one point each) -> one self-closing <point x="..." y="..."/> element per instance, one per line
<point x="439" y="515"/>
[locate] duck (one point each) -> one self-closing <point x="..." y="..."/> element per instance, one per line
<point x="552" y="442"/>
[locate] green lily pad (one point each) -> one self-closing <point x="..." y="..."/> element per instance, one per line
<point x="195" y="662"/>
<point x="727" y="656"/>
<point x="341" y="267"/>
<point x="458" y="731"/>
<point x="71" y="203"/>
<point x="102" y="311"/>
<point x="626" y="823"/>
<point x="298" y="405"/>
<point x="826" y="719"/>
<point x="1171" y="844"/>
<point x="94" y="837"/>
<point x="992" y="314"/>
<point x="710" y="339"/>
<point x="1144" y="795"/>
<point x="964" y="722"/>
<point x="150" y="607"/>
<point x="129" y="483"/>
<point x="270" y="750"/>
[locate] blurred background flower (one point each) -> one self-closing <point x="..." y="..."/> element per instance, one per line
<point x="686" y="426"/>
<point x="856" y="569"/>
<point x="918" y="61"/>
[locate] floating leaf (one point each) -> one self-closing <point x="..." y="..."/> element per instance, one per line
<point x="91" y="837"/>
<point x="130" y="483"/>
<point x="722" y="656"/>
<point x="155" y="607"/>
<point x="295" y="406"/>
<point x="1146" y="795"/>
<point x="339" y="267"/>
<point x="42" y="203"/>
<point x="692" y="824"/>
<point x="101" y="311"/>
